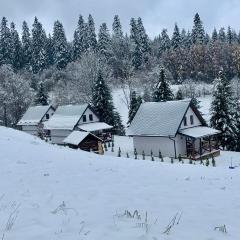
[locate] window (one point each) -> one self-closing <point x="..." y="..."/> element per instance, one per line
<point x="84" y="118"/>
<point x="90" y="117"/>
<point x="191" y="119"/>
<point x="185" y="121"/>
<point x="47" y="116"/>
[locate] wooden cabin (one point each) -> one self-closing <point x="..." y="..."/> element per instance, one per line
<point x="85" y="141"/>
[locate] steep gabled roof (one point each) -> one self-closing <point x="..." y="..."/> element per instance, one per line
<point x="66" y="117"/>
<point x="159" y="118"/>
<point x="33" y="115"/>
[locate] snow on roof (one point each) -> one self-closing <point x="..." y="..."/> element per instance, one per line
<point x="158" y="118"/>
<point x="77" y="137"/>
<point x="33" y="115"/>
<point x="94" y="126"/>
<point x="198" y="132"/>
<point x="66" y="117"/>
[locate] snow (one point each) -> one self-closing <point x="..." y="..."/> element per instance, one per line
<point x="94" y="126"/>
<point x="158" y="118"/>
<point x="66" y="117"/>
<point x="197" y="132"/>
<point x="51" y="192"/>
<point x="75" y="137"/>
<point x="33" y="115"/>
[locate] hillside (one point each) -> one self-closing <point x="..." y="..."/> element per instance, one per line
<point x="48" y="192"/>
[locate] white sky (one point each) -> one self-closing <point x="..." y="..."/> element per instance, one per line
<point x="156" y="14"/>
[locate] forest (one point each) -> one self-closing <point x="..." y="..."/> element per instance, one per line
<point x="35" y="65"/>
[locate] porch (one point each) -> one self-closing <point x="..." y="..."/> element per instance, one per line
<point x="201" y="142"/>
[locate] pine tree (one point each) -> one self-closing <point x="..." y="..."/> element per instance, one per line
<point x="165" y="42"/>
<point x="26" y="46"/>
<point x="80" y="39"/>
<point x="214" y="35"/>
<point x="229" y="35"/>
<point x="50" y="51"/>
<point x="91" y="35"/>
<point x="104" y="42"/>
<point x="198" y="33"/>
<point x="179" y="94"/>
<point x="41" y="97"/>
<point x="222" y="113"/>
<point x="222" y="35"/>
<point x="135" y="103"/>
<point x="60" y="46"/>
<point x="143" y="41"/>
<point x="39" y="55"/>
<point x="176" y="38"/>
<point x="102" y="100"/>
<point x="163" y="91"/>
<point x="16" y="49"/>
<point x="117" y="28"/>
<point x="137" y="57"/>
<point x="118" y="127"/>
<point x="5" y="43"/>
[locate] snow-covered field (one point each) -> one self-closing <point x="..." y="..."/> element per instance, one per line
<point x="48" y="192"/>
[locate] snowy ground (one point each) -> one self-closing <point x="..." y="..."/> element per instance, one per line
<point x="48" y="192"/>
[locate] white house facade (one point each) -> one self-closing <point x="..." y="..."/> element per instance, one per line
<point x="174" y="128"/>
<point x="68" y="118"/>
<point x="32" y="121"/>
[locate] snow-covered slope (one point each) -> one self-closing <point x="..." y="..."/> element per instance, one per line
<point x="48" y="192"/>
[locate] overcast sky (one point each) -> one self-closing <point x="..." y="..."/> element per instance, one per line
<point x="156" y="14"/>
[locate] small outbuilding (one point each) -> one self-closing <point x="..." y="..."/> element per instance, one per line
<point x="85" y="141"/>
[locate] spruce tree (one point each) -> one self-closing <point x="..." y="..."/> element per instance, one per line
<point x="137" y="57"/>
<point x="222" y="35"/>
<point x="163" y="91"/>
<point x="5" y="43"/>
<point x="80" y="39"/>
<point x="16" y="49"/>
<point x="50" y="51"/>
<point x="179" y="95"/>
<point x="143" y="41"/>
<point x="91" y="35"/>
<point x="118" y="127"/>
<point x="222" y="113"/>
<point x="39" y="55"/>
<point x="135" y="103"/>
<point x="214" y="35"/>
<point x="117" y="28"/>
<point x="104" y="42"/>
<point x="60" y="46"/>
<point x="198" y="33"/>
<point x="102" y="100"/>
<point x="41" y="97"/>
<point x="176" y="38"/>
<point x="165" y="42"/>
<point x="26" y="46"/>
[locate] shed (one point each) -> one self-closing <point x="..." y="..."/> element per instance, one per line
<point x="85" y="141"/>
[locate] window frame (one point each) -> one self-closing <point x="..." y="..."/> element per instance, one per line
<point x="90" y="116"/>
<point x="185" y="121"/>
<point x="47" y="116"/>
<point x="84" y="118"/>
<point x="192" y="119"/>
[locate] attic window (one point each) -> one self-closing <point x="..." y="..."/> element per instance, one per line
<point x="90" y="117"/>
<point x="84" y="118"/>
<point x="185" y="121"/>
<point x="191" y="119"/>
<point x="47" y="116"/>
